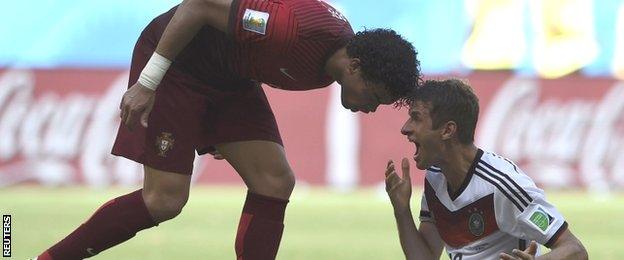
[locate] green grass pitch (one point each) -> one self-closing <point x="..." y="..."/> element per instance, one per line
<point x="320" y="223"/>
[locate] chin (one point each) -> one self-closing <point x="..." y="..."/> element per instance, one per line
<point x="421" y="166"/>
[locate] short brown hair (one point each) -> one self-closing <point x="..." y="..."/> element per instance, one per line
<point x="450" y="100"/>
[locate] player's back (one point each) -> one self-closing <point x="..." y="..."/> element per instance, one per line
<point x="284" y="43"/>
<point x="493" y="211"/>
<point x="290" y="42"/>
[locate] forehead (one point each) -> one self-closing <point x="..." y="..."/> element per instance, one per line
<point x="419" y="107"/>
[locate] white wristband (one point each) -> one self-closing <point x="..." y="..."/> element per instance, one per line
<point x="154" y="71"/>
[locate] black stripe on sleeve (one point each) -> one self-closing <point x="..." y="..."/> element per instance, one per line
<point x="425" y="214"/>
<point x="555" y="236"/>
<point x="509" y="179"/>
<point x="497" y="177"/>
<point x="520" y="208"/>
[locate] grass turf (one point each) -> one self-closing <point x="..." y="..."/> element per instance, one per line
<point x="320" y="223"/>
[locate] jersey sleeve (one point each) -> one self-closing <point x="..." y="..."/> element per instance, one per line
<point x="522" y="210"/>
<point x="261" y="23"/>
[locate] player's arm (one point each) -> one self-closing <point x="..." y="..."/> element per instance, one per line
<point x="421" y="243"/>
<point x="527" y="214"/>
<point x="567" y="246"/>
<point x="189" y="18"/>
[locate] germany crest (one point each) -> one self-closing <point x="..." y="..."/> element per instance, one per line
<point x="476" y="223"/>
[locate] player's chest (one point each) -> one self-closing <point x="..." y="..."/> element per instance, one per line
<point x="291" y="73"/>
<point x="463" y="225"/>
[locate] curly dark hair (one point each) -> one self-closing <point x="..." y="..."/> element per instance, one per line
<point x="450" y="100"/>
<point x="387" y="58"/>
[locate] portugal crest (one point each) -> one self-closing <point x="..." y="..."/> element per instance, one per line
<point x="164" y="143"/>
<point x="476" y="223"/>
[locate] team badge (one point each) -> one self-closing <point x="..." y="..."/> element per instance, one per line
<point x="541" y="219"/>
<point x="164" y="143"/>
<point x="476" y="223"/>
<point x="255" y="21"/>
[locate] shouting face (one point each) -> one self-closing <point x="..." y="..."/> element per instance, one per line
<point x="419" y="131"/>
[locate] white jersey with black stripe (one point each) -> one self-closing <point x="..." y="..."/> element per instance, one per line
<point x="498" y="208"/>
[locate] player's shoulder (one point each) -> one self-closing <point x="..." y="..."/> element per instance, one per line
<point x="498" y="168"/>
<point x="318" y="16"/>
<point x="507" y="180"/>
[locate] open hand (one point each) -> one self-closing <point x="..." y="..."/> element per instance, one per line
<point x="399" y="189"/>
<point x="527" y="254"/>
<point x="136" y="103"/>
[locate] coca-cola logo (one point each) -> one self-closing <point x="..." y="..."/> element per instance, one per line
<point x="56" y="140"/>
<point x="558" y="143"/>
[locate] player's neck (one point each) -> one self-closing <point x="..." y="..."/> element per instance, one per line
<point x="336" y="63"/>
<point x="458" y="160"/>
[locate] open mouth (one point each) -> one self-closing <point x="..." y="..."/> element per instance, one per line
<point x="417" y="152"/>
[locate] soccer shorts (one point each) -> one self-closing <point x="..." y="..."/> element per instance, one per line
<point x="184" y="121"/>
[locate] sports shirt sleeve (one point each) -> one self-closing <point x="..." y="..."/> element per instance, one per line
<point x="261" y="23"/>
<point x="522" y="210"/>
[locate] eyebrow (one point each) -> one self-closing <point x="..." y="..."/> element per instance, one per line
<point x="414" y="113"/>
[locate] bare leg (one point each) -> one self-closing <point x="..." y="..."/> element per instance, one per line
<point x="265" y="171"/>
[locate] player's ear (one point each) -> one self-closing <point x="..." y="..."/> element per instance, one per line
<point x="354" y="65"/>
<point x="448" y="130"/>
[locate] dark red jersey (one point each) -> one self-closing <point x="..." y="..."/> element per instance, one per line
<point x="283" y="43"/>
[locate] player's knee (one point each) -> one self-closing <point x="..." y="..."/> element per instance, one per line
<point x="163" y="206"/>
<point x="282" y="179"/>
<point x="276" y="182"/>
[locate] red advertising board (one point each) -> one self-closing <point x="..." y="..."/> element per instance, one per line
<point x="57" y="128"/>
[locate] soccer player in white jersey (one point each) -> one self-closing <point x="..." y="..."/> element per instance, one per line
<point x="476" y="204"/>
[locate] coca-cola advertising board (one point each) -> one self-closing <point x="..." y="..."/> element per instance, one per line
<point x="57" y="128"/>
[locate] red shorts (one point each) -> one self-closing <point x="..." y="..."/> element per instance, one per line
<point x="184" y="121"/>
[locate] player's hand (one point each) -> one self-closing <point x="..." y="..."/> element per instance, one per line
<point x="527" y="254"/>
<point x="136" y="104"/>
<point x="399" y="189"/>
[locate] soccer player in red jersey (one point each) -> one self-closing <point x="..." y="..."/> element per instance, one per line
<point x="195" y="87"/>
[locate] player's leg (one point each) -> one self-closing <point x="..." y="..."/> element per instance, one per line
<point x="167" y="144"/>
<point x="246" y="134"/>
<point x="162" y="198"/>
<point x="165" y="193"/>
<point x="270" y="181"/>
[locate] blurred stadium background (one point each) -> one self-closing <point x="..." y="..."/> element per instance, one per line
<point x="548" y="73"/>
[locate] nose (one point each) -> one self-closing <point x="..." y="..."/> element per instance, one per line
<point x="405" y="130"/>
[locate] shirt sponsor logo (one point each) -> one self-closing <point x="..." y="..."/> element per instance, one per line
<point x="255" y="21"/>
<point x="541" y="219"/>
